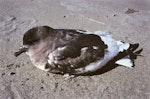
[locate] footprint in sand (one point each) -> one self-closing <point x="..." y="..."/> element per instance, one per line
<point x="7" y="25"/>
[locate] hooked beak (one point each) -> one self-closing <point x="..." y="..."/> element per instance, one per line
<point x="21" y="50"/>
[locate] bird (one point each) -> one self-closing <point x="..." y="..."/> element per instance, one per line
<point x="75" y="52"/>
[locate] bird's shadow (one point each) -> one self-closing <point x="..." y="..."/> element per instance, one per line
<point x="111" y="65"/>
<point x="108" y="67"/>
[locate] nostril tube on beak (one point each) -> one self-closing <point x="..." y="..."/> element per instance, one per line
<point x="21" y="50"/>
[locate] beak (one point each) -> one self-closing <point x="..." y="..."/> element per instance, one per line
<point x="21" y="50"/>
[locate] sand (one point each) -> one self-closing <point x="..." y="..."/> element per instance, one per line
<point x="127" y="20"/>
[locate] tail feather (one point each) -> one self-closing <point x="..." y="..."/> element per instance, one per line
<point x="125" y="62"/>
<point x="133" y="47"/>
<point x="139" y="52"/>
<point x="127" y="56"/>
<point x="133" y="54"/>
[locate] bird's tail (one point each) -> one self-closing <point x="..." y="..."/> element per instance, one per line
<point x="128" y="53"/>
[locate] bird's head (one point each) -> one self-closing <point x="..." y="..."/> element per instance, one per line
<point x="32" y="37"/>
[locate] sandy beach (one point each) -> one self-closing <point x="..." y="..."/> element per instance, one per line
<point x="127" y="20"/>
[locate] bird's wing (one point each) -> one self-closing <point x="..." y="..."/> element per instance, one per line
<point x="66" y="59"/>
<point x="77" y="53"/>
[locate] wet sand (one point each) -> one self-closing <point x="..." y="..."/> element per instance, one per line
<point x="127" y="20"/>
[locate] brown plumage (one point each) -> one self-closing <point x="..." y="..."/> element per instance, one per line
<point x="70" y="49"/>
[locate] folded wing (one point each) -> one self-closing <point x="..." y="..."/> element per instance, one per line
<point x="77" y="53"/>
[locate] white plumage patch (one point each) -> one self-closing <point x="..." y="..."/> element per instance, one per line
<point x="122" y="46"/>
<point x="50" y="58"/>
<point x="111" y="51"/>
<point x="107" y="38"/>
<point x="125" y="62"/>
<point x="95" y="47"/>
<point x="84" y="49"/>
<point x="114" y="47"/>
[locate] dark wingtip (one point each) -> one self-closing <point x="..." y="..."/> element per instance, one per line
<point x="133" y="47"/>
<point x="133" y="53"/>
<point x="139" y="51"/>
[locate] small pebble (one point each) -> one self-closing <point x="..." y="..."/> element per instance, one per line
<point x="8" y="40"/>
<point x="115" y="15"/>
<point x="10" y="65"/>
<point x="42" y="88"/>
<point x="61" y="89"/>
<point x="130" y="11"/>
<point x="12" y="73"/>
<point x="47" y="74"/>
<point x="27" y="79"/>
<point x="3" y="74"/>
<point x="56" y="85"/>
<point x="17" y="66"/>
<point x="42" y="81"/>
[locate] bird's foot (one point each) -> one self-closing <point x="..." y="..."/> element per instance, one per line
<point x="68" y="76"/>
